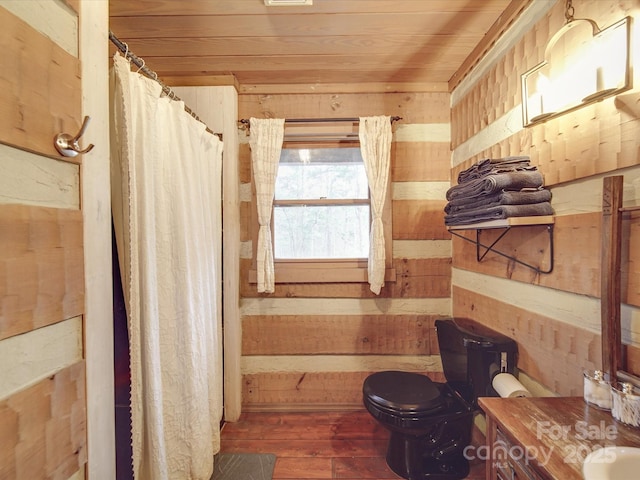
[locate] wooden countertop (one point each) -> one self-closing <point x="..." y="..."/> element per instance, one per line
<point x="558" y="432"/>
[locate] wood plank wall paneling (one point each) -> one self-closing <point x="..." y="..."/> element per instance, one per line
<point x="631" y="267"/>
<point x="576" y="269"/>
<point x="41" y="88"/>
<point x="26" y="359"/>
<point x="244" y="160"/>
<point x="43" y="425"/>
<point x="41" y="260"/>
<point x="553" y="353"/>
<point x="74" y="4"/>
<point x="338" y="334"/>
<point x="35" y="180"/>
<point x="484" y="103"/>
<point x="420" y="162"/>
<point x="605" y="143"/>
<point x="43" y="428"/>
<point x="632" y="355"/>
<point x="409" y="106"/>
<point x="304" y="391"/>
<point x="303" y="388"/>
<point x="419" y="220"/>
<point x="52" y="19"/>
<point x="594" y="141"/>
<point x="307" y="290"/>
<point x="422" y="278"/>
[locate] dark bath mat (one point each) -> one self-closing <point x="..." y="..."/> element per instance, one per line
<point x="243" y="466"/>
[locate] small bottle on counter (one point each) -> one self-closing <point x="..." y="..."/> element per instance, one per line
<point x="597" y="391"/>
<point x="626" y="404"/>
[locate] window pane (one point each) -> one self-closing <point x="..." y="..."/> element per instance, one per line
<point x="321" y="173"/>
<point x="313" y="232"/>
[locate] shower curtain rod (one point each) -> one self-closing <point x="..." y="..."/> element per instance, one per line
<point x="245" y="121"/>
<point x="168" y="91"/>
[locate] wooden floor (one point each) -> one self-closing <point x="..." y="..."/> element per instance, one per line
<point x="327" y="445"/>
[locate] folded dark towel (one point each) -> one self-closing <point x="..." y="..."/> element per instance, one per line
<point x="501" y="198"/>
<point x="492" y="166"/>
<point x="499" y="212"/>
<point x="495" y="183"/>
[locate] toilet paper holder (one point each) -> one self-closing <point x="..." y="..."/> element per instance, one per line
<point x="503" y="362"/>
<point x="508" y="386"/>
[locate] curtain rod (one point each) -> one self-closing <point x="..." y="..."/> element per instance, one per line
<point x="245" y="121"/>
<point x="168" y="91"/>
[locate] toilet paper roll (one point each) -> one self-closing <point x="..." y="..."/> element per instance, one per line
<point x="508" y="386"/>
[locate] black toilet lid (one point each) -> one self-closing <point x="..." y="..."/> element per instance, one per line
<point x="404" y="391"/>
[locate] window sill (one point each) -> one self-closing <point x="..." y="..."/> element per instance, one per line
<point x="322" y="272"/>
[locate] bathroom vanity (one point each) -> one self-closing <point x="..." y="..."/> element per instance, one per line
<point x="546" y="437"/>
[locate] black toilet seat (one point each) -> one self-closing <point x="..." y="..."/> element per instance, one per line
<point x="404" y="393"/>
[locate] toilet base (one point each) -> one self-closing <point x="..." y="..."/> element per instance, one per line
<point x="415" y="458"/>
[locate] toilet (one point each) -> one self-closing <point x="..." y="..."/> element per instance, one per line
<point x="430" y="422"/>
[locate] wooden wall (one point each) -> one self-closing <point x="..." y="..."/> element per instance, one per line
<point x="312" y="345"/>
<point x="554" y="317"/>
<point x="43" y="423"/>
<point x="217" y="107"/>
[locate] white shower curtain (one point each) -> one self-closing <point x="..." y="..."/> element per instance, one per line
<point x="166" y="172"/>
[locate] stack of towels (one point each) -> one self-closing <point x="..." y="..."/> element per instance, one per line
<point x="494" y="189"/>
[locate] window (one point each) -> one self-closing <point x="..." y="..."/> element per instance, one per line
<point x="321" y="211"/>
<point x="321" y="208"/>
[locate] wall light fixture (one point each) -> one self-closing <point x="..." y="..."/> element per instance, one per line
<point x="582" y="64"/>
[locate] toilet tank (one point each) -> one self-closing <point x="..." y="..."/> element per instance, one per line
<point x="472" y="355"/>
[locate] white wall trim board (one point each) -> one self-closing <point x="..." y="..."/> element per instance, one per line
<point x="422" y="132"/>
<point x="96" y="203"/>
<point x="566" y="307"/>
<point x="422" y="249"/>
<point x="246" y="249"/>
<point x="420" y="190"/>
<point x="33" y="356"/>
<point x="217" y="106"/>
<point x="502" y="128"/>
<point x="53" y="19"/>
<point x="578" y="310"/>
<point x="80" y="474"/>
<point x="630" y="324"/>
<point x="244" y="192"/>
<point x="585" y="195"/>
<point x="345" y="306"/>
<point x="339" y="363"/>
<point x="30" y="179"/>
<point x="525" y="22"/>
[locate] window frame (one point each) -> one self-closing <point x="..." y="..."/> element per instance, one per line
<point x="350" y="270"/>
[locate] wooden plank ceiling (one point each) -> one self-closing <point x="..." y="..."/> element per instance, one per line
<point x="329" y="42"/>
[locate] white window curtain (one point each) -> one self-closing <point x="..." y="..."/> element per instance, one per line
<point x="375" y="144"/>
<point x="266" y="136"/>
<point x="166" y="172"/>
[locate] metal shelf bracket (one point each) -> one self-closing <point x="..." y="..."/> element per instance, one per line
<point x="480" y="254"/>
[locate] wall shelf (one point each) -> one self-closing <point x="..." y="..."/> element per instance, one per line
<point x="506" y="225"/>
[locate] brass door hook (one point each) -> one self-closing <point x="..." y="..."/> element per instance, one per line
<point x="68" y="145"/>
